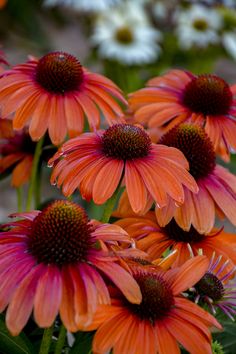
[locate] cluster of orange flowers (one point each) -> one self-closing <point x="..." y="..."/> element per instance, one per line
<point x="158" y="154"/>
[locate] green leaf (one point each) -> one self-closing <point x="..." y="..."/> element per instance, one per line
<point x="83" y="343"/>
<point x="13" y="345"/>
<point x="227" y="338"/>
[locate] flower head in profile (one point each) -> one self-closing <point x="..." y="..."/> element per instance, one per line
<point x="181" y="96"/>
<point x="198" y="26"/>
<point x="54" y="93"/>
<point x="126" y="35"/>
<point x="155" y="240"/>
<point x="17" y="153"/>
<point x="52" y="261"/>
<point x="162" y="320"/>
<point x="217" y="186"/>
<point x="84" y="5"/>
<point x="216" y="289"/>
<point x="96" y="163"/>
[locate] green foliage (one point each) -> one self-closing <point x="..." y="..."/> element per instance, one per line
<point x="13" y="345"/>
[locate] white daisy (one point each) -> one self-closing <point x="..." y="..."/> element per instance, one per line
<point x="198" y="26"/>
<point x="126" y="35"/>
<point x="84" y="5"/>
<point x="229" y="31"/>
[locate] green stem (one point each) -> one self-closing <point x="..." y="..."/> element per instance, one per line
<point x="61" y="340"/>
<point x="19" y="199"/>
<point x="46" y="341"/>
<point x="109" y="206"/>
<point x="34" y="172"/>
<point x="37" y="190"/>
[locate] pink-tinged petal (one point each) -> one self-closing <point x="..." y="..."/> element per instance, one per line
<point x="122" y="279"/>
<point x="226" y="176"/>
<point x="57" y="121"/>
<point x="21" y="305"/>
<point x="135" y="187"/>
<point x="29" y="215"/>
<point x="48" y="297"/>
<point x="102" y="290"/>
<point x="90" y="110"/>
<point x="111" y="172"/>
<point x="165" y="214"/>
<point x="189" y="274"/>
<point x="109" y="333"/>
<point x="166" y="342"/>
<point x="40" y="118"/>
<point x="110" y="232"/>
<point x="74" y="116"/>
<point x="190" y="336"/>
<point x="11" y="279"/>
<point x="67" y="307"/>
<point x="225" y="200"/>
<point x="90" y="288"/>
<point x="203" y="217"/>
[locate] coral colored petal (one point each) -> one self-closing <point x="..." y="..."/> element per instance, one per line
<point x="197" y="311"/>
<point x="74" y="116"/>
<point x="110" y="332"/>
<point x="48" y="297"/>
<point x="165" y="214"/>
<point x="57" y="121"/>
<point x="40" y="118"/>
<point x="107" y="180"/>
<point x="90" y="110"/>
<point x="22" y="172"/>
<point x="10" y="160"/>
<point x="80" y="296"/>
<point x="203" y="217"/>
<point x="166" y="342"/>
<point x="135" y="187"/>
<point x="67" y="308"/>
<point x="21" y="304"/>
<point x="153" y="183"/>
<point x="122" y="279"/>
<point x="188" y="335"/>
<point x="16" y="100"/>
<point x="189" y="274"/>
<point x="184" y="213"/>
<point x="23" y="114"/>
<point x="86" y="186"/>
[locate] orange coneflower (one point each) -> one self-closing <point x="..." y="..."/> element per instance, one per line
<point x="54" y="93"/>
<point x="217" y="186"/>
<point x="155" y="240"/>
<point x="97" y="162"/>
<point x="53" y="261"/>
<point x="163" y="320"/>
<point x="179" y="96"/>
